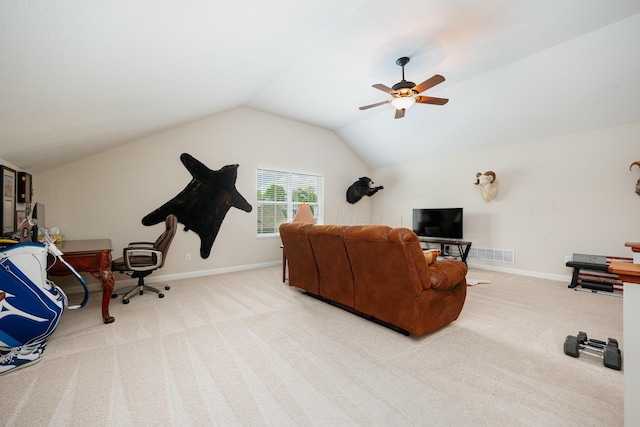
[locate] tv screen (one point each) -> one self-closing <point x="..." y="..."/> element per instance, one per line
<point x="443" y="222"/>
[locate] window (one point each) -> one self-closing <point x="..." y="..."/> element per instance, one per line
<point x="279" y="195"/>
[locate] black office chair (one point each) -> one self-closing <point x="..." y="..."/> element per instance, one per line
<point x="140" y="259"/>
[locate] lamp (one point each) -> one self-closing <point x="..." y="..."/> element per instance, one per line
<point x="403" y="103"/>
<point x="304" y="214"/>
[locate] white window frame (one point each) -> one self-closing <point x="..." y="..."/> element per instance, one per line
<point x="290" y="182"/>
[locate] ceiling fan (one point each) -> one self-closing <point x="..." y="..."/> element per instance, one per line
<point x="404" y="93"/>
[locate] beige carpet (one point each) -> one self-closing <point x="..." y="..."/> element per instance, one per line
<point x="245" y="349"/>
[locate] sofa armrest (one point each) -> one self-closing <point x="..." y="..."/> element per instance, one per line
<point x="446" y="274"/>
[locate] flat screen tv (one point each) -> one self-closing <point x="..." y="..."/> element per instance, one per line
<point x="443" y="222"/>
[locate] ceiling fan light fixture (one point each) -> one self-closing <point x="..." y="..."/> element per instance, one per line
<point x="403" y="103"/>
<point x="405" y="93"/>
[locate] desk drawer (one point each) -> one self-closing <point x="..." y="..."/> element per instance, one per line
<point x="89" y="262"/>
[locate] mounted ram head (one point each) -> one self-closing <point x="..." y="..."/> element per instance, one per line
<point x="637" y="183"/>
<point x="488" y="184"/>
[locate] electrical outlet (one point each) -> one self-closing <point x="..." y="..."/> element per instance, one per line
<point x="187" y="257"/>
<point x="567" y="258"/>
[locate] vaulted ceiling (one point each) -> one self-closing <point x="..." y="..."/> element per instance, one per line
<point x="81" y="76"/>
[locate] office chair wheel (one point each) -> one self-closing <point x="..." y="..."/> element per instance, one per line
<point x="125" y="301"/>
<point x="160" y="295"/>
<point x="167" y="287"/>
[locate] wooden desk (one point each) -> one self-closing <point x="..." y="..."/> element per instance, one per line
<point x="91" y="256"/>
<point x="635" y="248"/>
<point x="627" y="271"/>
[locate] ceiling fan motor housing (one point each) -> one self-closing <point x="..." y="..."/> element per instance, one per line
<point x="404" y="84"/>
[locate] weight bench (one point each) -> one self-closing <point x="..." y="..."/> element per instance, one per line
<point x="591" y="272"/>
<point x="577" y="266"/>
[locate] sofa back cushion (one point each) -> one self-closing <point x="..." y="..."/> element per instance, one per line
<point x="336" y="277"/>
<point x="390" y="272"/>
<point x="303" y="271"/>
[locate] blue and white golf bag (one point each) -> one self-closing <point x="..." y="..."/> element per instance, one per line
<point x="30" y="305"/>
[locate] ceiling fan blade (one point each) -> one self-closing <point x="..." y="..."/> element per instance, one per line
<point x="400" y="113"/>
<point x="366" y="107"/>
<point x="431" y="100"/>
<point x="384" y="88"/>
<point x="429" y="83"/>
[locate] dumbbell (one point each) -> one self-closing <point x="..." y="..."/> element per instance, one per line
<point x="607" y="351"/>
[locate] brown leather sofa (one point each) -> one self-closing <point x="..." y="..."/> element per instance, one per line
<point x="376" y="271"/>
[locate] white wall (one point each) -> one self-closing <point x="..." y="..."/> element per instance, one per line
<point x="107" y="195"/>
<point x="560" y="195"/>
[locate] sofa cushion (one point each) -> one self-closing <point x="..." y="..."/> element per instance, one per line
<point x="446" y="273"/>
<point x="378" y="251"/>
<point x="303" y="271"/>
<point x="389" y="271"/>
<point x="336" y="277"/>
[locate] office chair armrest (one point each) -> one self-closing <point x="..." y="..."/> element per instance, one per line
<point x="141" y="244"/>
<point x="148" y="254"/>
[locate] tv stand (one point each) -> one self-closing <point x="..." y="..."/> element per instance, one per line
<point x="463" y="245"/>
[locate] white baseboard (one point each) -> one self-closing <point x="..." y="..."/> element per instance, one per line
<point x="95" y="286"/>
<point x="558" y="277"/>
<point x="213" y="271"/>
